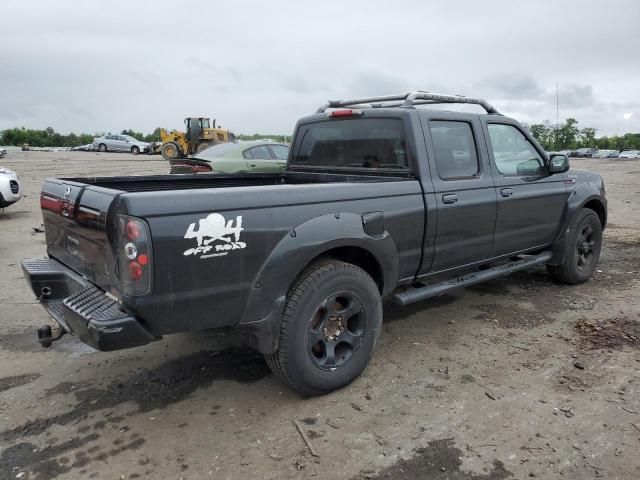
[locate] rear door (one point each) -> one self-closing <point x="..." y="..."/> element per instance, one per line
<point x="464" y="190"/>
<point x="530" y="201"/>
<point x="110" y="142"/>
<point x="280" y="153"/>
<point x="260" y="159"/>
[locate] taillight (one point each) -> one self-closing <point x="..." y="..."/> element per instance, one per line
<point x="200" y="168"/>
<point x="134" y="256"/>
<point x="48" y="202"/>
<point x="183" y="167"/>
<point x="132" y="230"/>
<point x="344" y="112"/>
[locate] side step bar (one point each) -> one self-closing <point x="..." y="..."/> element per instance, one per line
<point x="417" y="294"/>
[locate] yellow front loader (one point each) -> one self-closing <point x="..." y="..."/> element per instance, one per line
<point x="199" y="135"/>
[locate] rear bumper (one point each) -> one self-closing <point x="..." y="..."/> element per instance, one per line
<point x="82" y="309"/>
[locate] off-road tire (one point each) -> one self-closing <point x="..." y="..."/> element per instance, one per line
<point x="571" y="271"/>
<point x="166" y="147"/>
<point x="293" y="362"/>
<point x="102" y="147"/>
<point x="135" y="150"/>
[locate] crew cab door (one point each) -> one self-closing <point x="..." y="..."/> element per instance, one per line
<point x="464" y="190"/>
<point x="530" y="201"/>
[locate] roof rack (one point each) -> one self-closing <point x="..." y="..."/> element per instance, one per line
<point x="406" y="100"/>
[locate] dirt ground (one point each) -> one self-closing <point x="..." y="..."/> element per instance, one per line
<point x="517" y="378"/>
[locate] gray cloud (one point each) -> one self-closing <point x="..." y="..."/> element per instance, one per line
<point x="258" y="66"/>
<point x="511" y="86"/>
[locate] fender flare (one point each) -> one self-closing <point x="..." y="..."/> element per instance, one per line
<point x="303" y="244"/>
<point x="579" y="197"/>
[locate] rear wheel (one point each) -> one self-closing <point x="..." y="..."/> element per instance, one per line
<point x="170" y="151"/>
<point x="135" y="150"/>
<point x="584" y="241"/>
<point x="102" y="147"/>
<point x="329" y="328"/>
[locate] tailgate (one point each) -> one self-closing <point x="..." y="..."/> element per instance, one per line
<point x="78" y="223"/>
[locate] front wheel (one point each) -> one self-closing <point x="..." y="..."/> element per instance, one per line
<point x="169" y="151"/>
<point x="329" y="328"/>
<point x="102" y="147"/>
<point x="135" y="150"/>
<point x="584" y="242"/>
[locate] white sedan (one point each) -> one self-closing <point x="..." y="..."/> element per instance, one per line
<point x="630" y="154"/>
<point x="10" y="189"/>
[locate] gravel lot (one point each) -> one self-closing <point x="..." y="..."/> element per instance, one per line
<point x="515" y="378"/>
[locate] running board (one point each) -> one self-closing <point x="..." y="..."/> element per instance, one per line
<point x="421" y="293"/>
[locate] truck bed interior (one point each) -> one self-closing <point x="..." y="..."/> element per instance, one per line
<point x="198" y="181"/>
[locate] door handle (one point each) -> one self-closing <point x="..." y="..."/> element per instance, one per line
<point x="449" y="198"/>
<point x="252" y="164"/>
<point x="506" y="192"/>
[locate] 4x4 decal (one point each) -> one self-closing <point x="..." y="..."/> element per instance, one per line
<point x="215" y="234"/>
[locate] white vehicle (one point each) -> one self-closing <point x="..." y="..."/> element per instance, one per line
<point x="10" y="190"/>
<point x="605" y="154"/>
<point x="630" y="154"/>
<point x="120" y="143"/>
<point x="3" y="152"/>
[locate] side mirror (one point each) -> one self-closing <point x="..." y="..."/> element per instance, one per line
<point x="558" y="163"/>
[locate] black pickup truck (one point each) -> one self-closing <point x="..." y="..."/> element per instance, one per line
<point x="382" y="197"/>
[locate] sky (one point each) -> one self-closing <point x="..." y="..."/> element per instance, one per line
<point x="256" y="67"/>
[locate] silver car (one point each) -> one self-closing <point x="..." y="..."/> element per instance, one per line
<point x="120" y="143"/>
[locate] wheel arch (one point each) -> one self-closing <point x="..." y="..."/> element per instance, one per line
<point x="597" y="206"/>
<point x="588" y="196"/>
<point x="337" y="236"/>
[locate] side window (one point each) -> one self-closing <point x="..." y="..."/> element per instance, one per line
<point x="247" y="154"/>
<point x="455" y="148"/>
<point x="280" y="151"/>
<point x="260" y="153"/>
<point x="514" y="154"/>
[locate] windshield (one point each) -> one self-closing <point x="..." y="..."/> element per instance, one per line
<point x="357" y="143"/>
<point x="217" y="151"/>
<point x="130" y="138"/>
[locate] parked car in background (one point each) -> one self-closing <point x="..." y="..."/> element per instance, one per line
<point x="261" y="156"/>
<point x="3" y="152"/>
<point x="10" y="190"/>
<point x="83" y="148"/>
<point x="606" y="154"/>
<point x="630" y="154"/>
<point x="585" y="152"/>
<point x="120" y="143"/>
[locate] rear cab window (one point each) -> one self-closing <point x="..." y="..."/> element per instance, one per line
<point x="369" y="144"/>
<point x="455" y="149"/>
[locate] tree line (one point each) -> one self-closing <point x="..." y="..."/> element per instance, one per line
<point x="569" y="136"/>
<point x="563" y="136"/>
<point x="50" y="138"/>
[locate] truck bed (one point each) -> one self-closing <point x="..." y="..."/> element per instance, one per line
<point x="200" y="181"/>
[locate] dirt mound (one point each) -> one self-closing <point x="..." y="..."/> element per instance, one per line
<point x="612" y="333"/>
